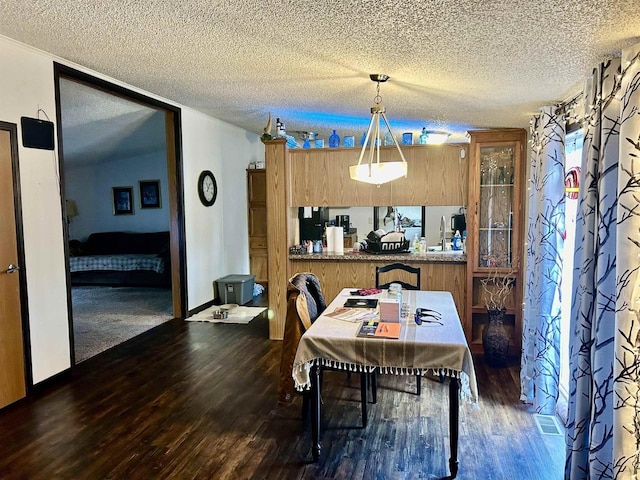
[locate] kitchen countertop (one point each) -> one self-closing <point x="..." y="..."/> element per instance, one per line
<point x="448" y="256"/>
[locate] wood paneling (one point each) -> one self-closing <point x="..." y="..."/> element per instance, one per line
<point x="336" y="275"/>
<point x="194" y="400"/>
<point x="257" y="187"/>
<point x="257" y="215"/>
<point x="437" y="175"/>
<point x="278" y="228"/>
<point x="259" y="266"/>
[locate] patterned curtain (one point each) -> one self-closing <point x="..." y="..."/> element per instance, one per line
<point x="590" y="424"/>
<point x="540" y="363"/>
<point x="626" y="398"/>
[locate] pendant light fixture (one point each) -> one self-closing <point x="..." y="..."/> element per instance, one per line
<point x="377" y="172"/>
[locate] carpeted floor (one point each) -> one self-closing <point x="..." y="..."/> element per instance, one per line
<point x="106" y="316"/>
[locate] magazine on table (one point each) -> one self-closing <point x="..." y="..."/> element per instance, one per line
<point x="379" y="329"/>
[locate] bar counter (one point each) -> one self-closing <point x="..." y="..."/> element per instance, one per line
<point x="449" y="256"/>
<point x="438" y="271"/>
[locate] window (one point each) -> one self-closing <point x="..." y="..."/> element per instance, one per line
<point x="573" y="153"/>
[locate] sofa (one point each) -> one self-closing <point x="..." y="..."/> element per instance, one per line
<point x="121" y="259"/>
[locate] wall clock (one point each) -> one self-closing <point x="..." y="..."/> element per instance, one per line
<point x="207" y="188"/>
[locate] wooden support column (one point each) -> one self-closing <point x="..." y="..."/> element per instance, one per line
<point x="277" y="233"/>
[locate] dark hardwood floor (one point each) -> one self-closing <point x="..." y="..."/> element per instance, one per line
<point x="191" y="400"/>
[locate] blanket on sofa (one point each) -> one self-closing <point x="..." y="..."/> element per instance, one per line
<point x="120" y="263"/>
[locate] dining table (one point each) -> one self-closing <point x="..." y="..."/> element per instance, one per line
<point x="435" y="346"/>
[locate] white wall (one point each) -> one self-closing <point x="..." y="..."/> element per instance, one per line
<point x="90" y="187"/>
<point x="360" y="218"/>
<point x="26" y="84"/>
<point x="216" y="240"/>
<point x="217" y="236"/>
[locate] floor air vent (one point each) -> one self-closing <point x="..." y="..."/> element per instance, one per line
<point x="548" y="424"/>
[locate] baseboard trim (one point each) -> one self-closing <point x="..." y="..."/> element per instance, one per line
<point x="50" y="382"/>
<point x="202" y="307"/>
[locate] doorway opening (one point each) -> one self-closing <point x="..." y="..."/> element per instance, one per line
<point x="124" y="229"/>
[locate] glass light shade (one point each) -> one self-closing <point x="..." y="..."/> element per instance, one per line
<point x="436" y="138"/>
<point x="378" y="173"/>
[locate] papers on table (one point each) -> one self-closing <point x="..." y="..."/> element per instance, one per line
<point x="353" y="314"/>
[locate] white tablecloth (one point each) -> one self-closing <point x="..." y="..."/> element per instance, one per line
<point x="430" y="347"/>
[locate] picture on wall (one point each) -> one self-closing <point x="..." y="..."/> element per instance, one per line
<point x="149" y="193"/>
<point x="122" y="200"/>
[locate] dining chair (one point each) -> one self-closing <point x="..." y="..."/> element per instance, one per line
<point x="305" y="303"/>
<point x="394" y="271"/>
<point x="411" y="272"/>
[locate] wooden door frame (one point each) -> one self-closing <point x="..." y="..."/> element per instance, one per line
<point x="173" y="127"/>
<point x="12" y="128"/>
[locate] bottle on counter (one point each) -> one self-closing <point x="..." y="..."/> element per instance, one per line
<point x="416" y="244"/>
<point x="422" y="139"/>
<point x="457" y="241"/>
<point x="423" y="245"/>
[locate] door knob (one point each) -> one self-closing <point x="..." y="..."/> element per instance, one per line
<point x="12" y="268"/>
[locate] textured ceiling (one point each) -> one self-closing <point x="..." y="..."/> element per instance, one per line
<point x="99" y="127"/>
<point x="453" y="65"/>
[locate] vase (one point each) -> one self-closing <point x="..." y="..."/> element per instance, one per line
<point x="334" y="140"/>
<point x="495" y="339"/>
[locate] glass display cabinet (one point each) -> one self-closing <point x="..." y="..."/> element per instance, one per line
<point x="495" y="206"/>
<point x="495" y="230"/>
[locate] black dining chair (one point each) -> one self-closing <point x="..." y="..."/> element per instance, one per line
<point x="305" y="303"/>
<point x="410" y="272"/>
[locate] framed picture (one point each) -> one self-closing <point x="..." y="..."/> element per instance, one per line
<point x="149" y="193"/>
<point x="122" y="200"/>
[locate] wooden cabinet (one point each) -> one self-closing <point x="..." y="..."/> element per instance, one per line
<point x="495" y="225"/>
<point x="437" y="175"/>
<point x="257" y="215"/>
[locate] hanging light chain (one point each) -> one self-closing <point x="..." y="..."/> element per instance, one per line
<point x="377" y="99"/>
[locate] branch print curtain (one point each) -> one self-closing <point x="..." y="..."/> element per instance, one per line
<point x="590" y="425"/>
<point x="540" y="363"/>
<point x="626" y="415"/>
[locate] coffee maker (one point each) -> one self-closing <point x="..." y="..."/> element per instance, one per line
<point x="313" y="222"/>
<point x="343" y="221"/>
<point x="458" y="222"/>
